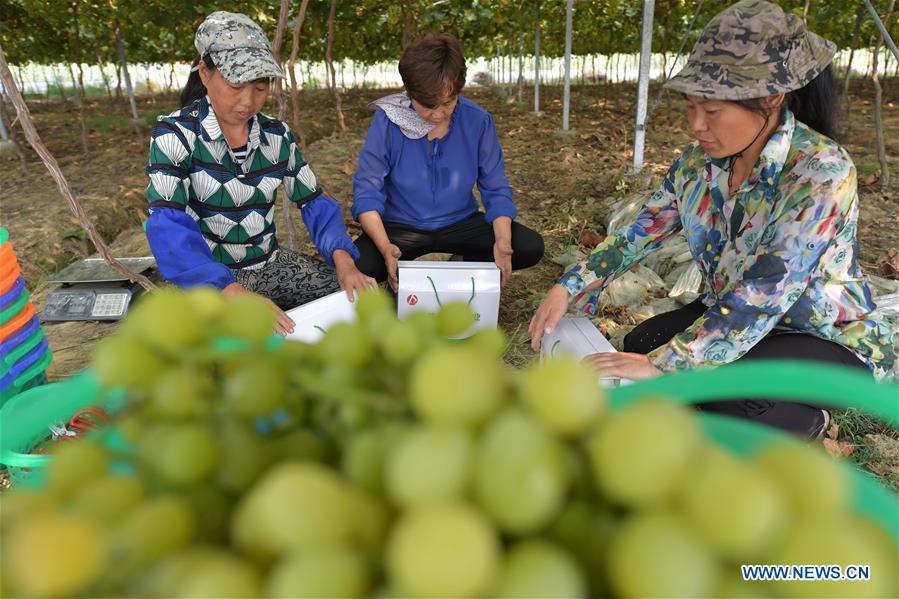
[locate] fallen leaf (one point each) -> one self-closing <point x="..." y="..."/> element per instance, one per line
<point x="871" y="179"/>
<point x="839" y="449"/>
<point x="889" y="267"/>
<point x="591" y="239"/>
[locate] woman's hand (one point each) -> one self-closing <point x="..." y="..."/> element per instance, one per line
<point x="284" y="324"/>
<point x="348" y="276"/>
<point x="502" y="254"/>
<point x="548" y="314"/>
<point x="623" y="364"/>
<point x="391" y="254"/>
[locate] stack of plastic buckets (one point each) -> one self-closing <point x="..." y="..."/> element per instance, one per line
<point x="24" y="354"/>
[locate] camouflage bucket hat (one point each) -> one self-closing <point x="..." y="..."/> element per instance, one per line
<point x="238" y="47"/>
<point x="752" y="49"/>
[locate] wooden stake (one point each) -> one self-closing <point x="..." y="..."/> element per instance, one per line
<point x="50" y="162"/>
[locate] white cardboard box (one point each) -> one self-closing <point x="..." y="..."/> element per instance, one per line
<point x="578" y="337"/>
<point x="426" y="285"/>
<point x="314" y="318"/>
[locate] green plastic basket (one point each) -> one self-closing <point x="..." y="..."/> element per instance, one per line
<point x="25" y="380"/>
<point x="824" y="385"/>
<point x="9" y="313"/>
<point x="25" y="421"/>
<point x="21" y="350"/>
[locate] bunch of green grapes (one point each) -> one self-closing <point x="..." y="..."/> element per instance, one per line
<point x="392" y="460"/>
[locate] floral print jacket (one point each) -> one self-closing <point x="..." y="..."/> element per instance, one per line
<point x="780" y="255"/>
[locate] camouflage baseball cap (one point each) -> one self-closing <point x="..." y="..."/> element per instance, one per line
<point x="238" y="47"/>
<point x="752" y="49"/>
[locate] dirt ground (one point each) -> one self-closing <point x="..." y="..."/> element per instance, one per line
<point x="564" y="183"/>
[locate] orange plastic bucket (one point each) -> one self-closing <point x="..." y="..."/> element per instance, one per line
<point x="8" y="279"/>
<point x="6" y="254"/>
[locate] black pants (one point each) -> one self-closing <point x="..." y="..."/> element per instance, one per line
<point x="471" y="238"/>
<point x="799" y="418"/>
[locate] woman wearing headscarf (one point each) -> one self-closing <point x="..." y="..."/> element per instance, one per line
<point x="768" y="203"/>
<point x="214" y="168"/>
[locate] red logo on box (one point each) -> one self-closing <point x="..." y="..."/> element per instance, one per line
<point x="412" y="299"/>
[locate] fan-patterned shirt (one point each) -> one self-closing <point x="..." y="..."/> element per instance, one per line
<point x="778" y="255"/>
<point x="191" y="168"/>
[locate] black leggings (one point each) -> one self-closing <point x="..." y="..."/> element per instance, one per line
<point x="799" y="418"/>
<point x="472" y="238"/>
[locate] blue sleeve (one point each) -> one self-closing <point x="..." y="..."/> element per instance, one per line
<point x="373" y="169"/>
<point x="496" y="193"/>
<point x="181" y="252"/>
<point x="324" y="219"/>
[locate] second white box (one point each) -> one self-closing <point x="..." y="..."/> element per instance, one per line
<point x="427" y="285"/>
<point x="578" y="337"/>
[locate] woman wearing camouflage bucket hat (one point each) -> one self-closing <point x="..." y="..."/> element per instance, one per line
<point x="214" y="168"/>
<point x="769" y="206"/>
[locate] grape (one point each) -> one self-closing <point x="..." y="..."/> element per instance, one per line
<point x="165" y="320"/>
<point x="321" y="572"/>
<point x="76" y="463"/>
<point x="563" y="394"/>
<point x="202" y="572"/>
<point x="344" y="343"/>
<point x="373" y="304"/>
<point x="838" y="538"/>
<point x="638" y="454"/>
<point x="216" y="573"/>
<point x="539" y="569"/>
<point x="22" y="504"/>
<point x="442" y="550"/>
<point x="121" y="362"/>
<point x="399" y="341"/>
<point x="520" y="474"/>
<point x="430" y="464"/>
<point x="732" y="586"/>
<point x="585" y="530"/>
<point x="295" y="505"/>
<point x="181" y="392"/>
<point x="207" y="303"/>
<point x="454" y="318"/>
<point x="109" y="498"/>
<point x="490" y="343"/>
<point x="256" y="389"/>
<point x="180" y="454"/>
<point x="732" y="506"/>
<point x="813" y="481"/>
<point x="154" y="528"/>
<point x="363" y="460"/>
<point x="455" y="386"/>
<point x="652" y="555"/>
<point x="244" y="456"/>
<point x="50" y="555"/>
<point x="249" y="318"/>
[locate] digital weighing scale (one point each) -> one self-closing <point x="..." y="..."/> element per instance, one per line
<point x="92" y="290"/>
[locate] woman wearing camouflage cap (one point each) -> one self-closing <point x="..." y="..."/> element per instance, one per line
<point x="214" y="168"/>
<point x="768" y="204"/>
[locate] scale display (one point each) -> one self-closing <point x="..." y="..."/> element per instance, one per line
<point x="86" y="303"/>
